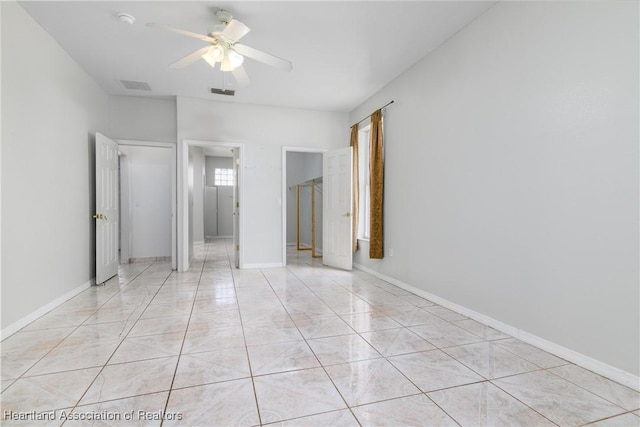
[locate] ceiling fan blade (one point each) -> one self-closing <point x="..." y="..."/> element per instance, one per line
<point x="235" y="30"/>
<point x="183" y="32"/>
<point x="190" y="59"/>
<point x="241" y="76"/>
<point x="263" y="57"/>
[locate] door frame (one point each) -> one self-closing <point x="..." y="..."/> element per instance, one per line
<point x="184" y="260"/>
<point x="285" y="150"/>
<point x="172" y="147"/>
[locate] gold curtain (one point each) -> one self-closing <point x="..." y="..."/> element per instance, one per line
<point x="376" y="186"/>
<point x="355" y="204"/>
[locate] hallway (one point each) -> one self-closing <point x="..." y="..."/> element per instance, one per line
<point x="301" y="345"/>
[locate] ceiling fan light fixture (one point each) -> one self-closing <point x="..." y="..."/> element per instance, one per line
<point x="213" y="55"/>
<point x="216" y="52"/>
<point x="225" y="65"/>
<point x="207" y="57"/>
<point x="224" y="48"/>
<point x="235" y="59"/>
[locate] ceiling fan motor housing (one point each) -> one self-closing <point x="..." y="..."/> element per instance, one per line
<point x="224" y="16"/>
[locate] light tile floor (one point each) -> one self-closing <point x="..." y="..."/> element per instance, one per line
<point x="302" y="345"/>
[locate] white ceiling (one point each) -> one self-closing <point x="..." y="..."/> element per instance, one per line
<point x="342" y="52"/>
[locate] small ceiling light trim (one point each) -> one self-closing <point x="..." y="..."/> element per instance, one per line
<point x="126" y="18"/>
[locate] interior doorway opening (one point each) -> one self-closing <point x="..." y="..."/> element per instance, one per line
<point x="219" y="185"/>
<point x="301" y="217"/>
<point x="209" y="205"/>
<point x="147" y="201"/>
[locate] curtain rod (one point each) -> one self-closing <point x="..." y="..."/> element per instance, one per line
<point x="385" y="105"/>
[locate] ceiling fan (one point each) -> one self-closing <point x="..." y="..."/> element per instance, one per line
<point x="225" y="49"/>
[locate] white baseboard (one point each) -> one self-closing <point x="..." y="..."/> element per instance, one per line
<point x="589" y="363"/>
<point x="149" y="259"/>
<point x="263" y="265"/>
<point x="601" y="368"/>
<point x="16" y="326"/>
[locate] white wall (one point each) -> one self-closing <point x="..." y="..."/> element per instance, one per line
<point x="147" y="187"/>
<point x="512" y="174"/>
<point x="49" y="120"/>
<point x="142" y="119"/>
<point x="263" y="130"/>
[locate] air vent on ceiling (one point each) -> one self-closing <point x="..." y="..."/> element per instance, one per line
<point x="133" y="85"/>
<point x="228" y="92"/>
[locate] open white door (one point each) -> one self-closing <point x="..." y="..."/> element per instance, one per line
<point x="236" y="209"/>
<point x="107" y="208"/>
<point x="336" y="239"/>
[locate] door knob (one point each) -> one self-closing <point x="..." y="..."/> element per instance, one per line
<point x="348" y="214"/>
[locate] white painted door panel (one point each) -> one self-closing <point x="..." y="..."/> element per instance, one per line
<point x="236" y="207"/>
<point x="337" y="224"/>
<point x="107" y="208"/>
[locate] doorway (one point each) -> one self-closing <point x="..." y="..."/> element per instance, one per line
<point x="147" y="200"/>
<point x="193" y="202"/>
<point x="218" y="192"/>
<point x="299" y="166"/>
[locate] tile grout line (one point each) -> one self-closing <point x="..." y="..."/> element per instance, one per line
<point x="99" y="374"/>
<point x="184" y="338"/>
<point x="350" y="288"/>
<point x="310" y="348"/>
<point x="75" y="328"/>
<point x="420" y="392"/>
<point x="401" y="326"/>
<point x="102" y="368"/>
<point x="514" y="397"/>
<point x="244" y="338"/>
<point x="489" y="380"/>
<point x="435" y="348"/>
<point x="550" y="370"/>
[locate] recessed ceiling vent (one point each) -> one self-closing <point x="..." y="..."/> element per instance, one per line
<point x="228" y="92"/>
<point x="133" y="85"/>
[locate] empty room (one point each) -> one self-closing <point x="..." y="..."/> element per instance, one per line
<point x="305" y="213"/>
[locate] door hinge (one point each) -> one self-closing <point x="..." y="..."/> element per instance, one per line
<point x="237" y="247"/>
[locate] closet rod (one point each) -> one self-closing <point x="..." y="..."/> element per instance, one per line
<point x="385" y="105"/>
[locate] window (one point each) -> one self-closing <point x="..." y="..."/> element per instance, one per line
<point x="223" y="177"/>
<point x="363" y="169"/>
